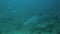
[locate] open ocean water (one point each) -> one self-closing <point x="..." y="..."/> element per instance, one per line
<point x="29" y="16"/>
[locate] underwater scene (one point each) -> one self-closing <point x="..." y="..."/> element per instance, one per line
<point x="29" y="16"/>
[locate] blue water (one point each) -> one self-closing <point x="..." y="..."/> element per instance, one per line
<point x="14" y="12"/>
